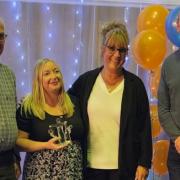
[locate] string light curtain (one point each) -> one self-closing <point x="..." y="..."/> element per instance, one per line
<point x="69" y="34"/>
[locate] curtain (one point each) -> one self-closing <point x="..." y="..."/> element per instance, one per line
<point x="68" y="34"/>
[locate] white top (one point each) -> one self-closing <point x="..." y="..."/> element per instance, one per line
<point x="104" y="110"/>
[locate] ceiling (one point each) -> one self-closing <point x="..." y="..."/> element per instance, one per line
<point x="125" y="3"/>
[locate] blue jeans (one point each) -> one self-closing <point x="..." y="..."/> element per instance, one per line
<point x="173" y="163"/>
<point x="7" y="173"/>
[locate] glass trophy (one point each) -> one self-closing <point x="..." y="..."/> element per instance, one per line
<point x="62" y="130"/>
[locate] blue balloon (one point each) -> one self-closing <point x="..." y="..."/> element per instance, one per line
<point x="173" y="26"/>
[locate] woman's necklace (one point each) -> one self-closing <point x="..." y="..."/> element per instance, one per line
<point x="111" y="83"/>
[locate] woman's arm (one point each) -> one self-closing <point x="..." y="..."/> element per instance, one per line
<point x="28" y="145"/>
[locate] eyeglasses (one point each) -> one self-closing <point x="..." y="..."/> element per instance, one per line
<point x="112" y="49"/>
<point x="3" y="36"/>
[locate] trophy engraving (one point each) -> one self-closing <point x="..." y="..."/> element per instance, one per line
<point x="62" y="130"/>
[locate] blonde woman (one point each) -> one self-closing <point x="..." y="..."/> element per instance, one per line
<point x="115" y="110"/>
<point x="49" y="106"/>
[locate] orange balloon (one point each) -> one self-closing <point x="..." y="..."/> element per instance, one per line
<point x="153" y="17"/>
<point x="160" y="153"/>
<point x="154" y="79"/>
<point x="155" y="124"/>
<point x="149" y="49"/>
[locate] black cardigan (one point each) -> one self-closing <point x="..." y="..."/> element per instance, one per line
<point x="135" y="142"/>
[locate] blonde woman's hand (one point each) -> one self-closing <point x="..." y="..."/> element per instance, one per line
<point x="141" y="173"/>
<point x="52" y="144"/>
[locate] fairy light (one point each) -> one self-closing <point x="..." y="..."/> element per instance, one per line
<point x="18" y="31"/>
<point x="47" y="8"/>
<point x="50" y="21"/>
<point x="18" y="44"/>
<point x="22" y="83"/>
<point x="126" y="15"/>
<point x="50" y="35"/>
<point x="76" y="38"/>
<point x="76" y="61"/>
<point x="20" y="48"/>
<point x="22" y="57"/>
<point x="14" y="4"/>
<point x="17" y="17"/>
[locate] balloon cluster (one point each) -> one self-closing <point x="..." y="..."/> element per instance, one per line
<point x="149" y="46"/>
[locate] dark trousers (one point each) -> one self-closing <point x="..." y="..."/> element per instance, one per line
<point x="101" y="174"/>
<point x="173" y="163"/>
<point x="7" y="172"/>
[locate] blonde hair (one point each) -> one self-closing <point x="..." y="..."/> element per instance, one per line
<point x="34" y="103"/>
<point x="115" y="33"/>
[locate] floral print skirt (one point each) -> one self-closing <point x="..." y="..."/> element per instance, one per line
<point x="63" y="164"/>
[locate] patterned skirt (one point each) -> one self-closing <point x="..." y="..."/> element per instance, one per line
<point x="63" y="164"/>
